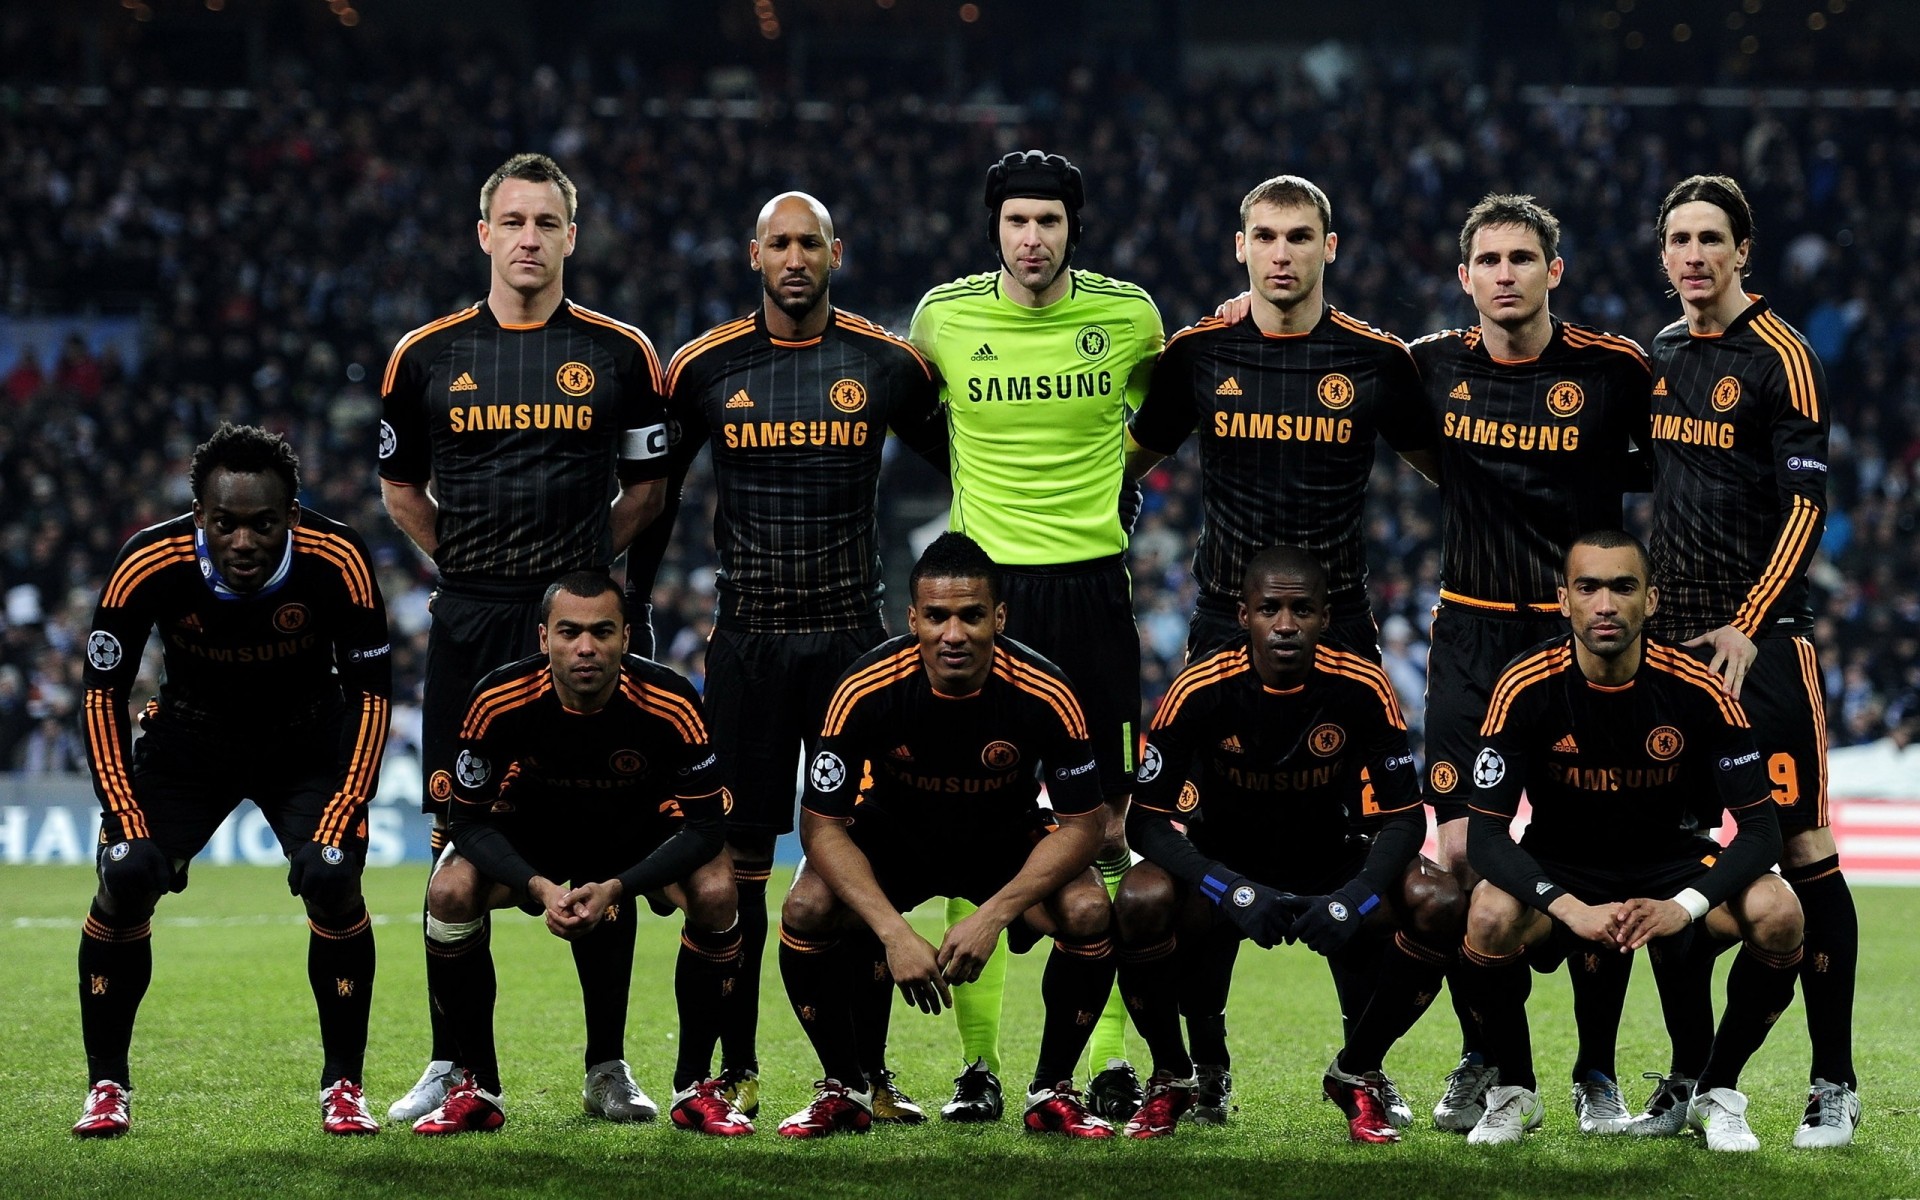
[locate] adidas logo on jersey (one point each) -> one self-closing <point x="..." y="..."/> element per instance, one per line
<point x="463" y="384"/>
<point x="901" y="753"/>
<point x="1228" y="387"/>
<point x="985" y="354"/>
<point x="1460" y="392"/>
<point x="1660" y="389"/>
<point x="1232" y="744"/>
<point x="1566" y="745"/>
<point x="740" y="399"/>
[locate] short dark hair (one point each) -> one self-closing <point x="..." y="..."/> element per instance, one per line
<point x="246" y="450"/>
<point x="1610" y="539"/>
<point x="1718" y="190"/>
<point x="534" y="168"/>
<point x="954" y="555"/>
<point x="1505" y="208"/>
<point x="1290" y="561"/>
<point x="588" y="585"/>
<point x="1283" y="190"/>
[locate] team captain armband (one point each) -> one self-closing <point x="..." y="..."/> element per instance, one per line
<point x="648" y="441"/>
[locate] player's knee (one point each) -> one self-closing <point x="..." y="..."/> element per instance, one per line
<point x="810" y="906"/>
<point x="713" y="902"/>
<point x="1493" y="921"/>
<point x="455" y="893"/>
<point x="326" y="913"/>
<point x="1085" y="911"/>
<point x="1774" y="920"/>
<point x="127" y="906"/>
<point x="1143" y="907"/>
<point x="1436" y="908"/>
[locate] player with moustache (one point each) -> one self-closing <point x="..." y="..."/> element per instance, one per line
<point x="1246" y="811"/>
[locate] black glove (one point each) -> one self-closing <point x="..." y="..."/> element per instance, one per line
<point x="1132" y="498"/>
<point x="324" y="876"/>
<point x="1329" y="922"/>
<point x="136" y="867"/>
<point x="1264" y="914"/>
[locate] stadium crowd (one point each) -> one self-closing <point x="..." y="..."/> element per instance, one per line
<point x="278" y="248"/>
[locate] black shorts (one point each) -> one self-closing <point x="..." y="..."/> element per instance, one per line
<point x="1080" y="617"/>
<point x="1215" y="625"/>
<point x="1470" y="648"/>
<point x="1607" y="883"/>
<point x="913" y="867"/>
<point x="1785" y="699"/>
<point x="471" y="635"/>
<point x="766" y="698"/>
<point x="187" y="784"/>
<point x="570" y="858"/>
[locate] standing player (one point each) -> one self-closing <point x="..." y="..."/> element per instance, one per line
<point x="796" y="400"/>
<point x="1289" y="404"/>
<point x="1740" y="421"/>
<point x="1256" y="752"/>
<point x="924" y="786"/>
<point x="1536" y="419"/>
<point x="1040" y="363"/>
<point x="586" y="764"/>
<point x="508" y="426"/>
<point x="1612" y="736"/>
<point x="277" y="687"/>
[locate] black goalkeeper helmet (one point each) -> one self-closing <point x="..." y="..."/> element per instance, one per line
<point x="1034" y="174"/>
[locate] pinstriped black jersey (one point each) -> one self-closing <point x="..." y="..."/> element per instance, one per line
<point x="1532" y="455"/>
<point x="522" y="430"/>
<point x="797" y="430"/>
<point x="1287" y="429"/>
<point x="310" y="645"/>
<point x="1740" y="425"/>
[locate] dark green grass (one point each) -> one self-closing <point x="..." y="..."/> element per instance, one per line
<point x="226" y="1055"/>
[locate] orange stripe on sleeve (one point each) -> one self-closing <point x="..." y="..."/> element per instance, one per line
<point x="853" y="687"/>
<point x="1781" y="566"/>
<point x="400" y="350"/>
<point x="716" y="336"/>
<point x="1517" y="679"/>
<point x="142" y="566"/>
<point x="1794" y="359"/>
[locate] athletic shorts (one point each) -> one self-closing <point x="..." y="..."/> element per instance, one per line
<point x="187" y="784"/>
<point x="471" y="635"/>
<point x="766" y="699"/>
<point x="574" y="861"/>
<point x="1080" y="617"/>
<point x="912" y="868"/>
<point x="1603" y="885"/>
<point x="1215" y="626"/>
<point x="1469" y="650"/>
<point x="1785" y="699"/>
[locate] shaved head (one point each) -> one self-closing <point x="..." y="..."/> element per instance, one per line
<point x="799" y="199"/>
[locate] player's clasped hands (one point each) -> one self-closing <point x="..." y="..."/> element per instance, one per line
<point x="1641" y="920"/>
<point x="916" y="969"/>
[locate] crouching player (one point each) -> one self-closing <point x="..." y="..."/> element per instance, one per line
<point x="1613" y="737"/>
<point x="589" y="766"/>
<point x="924" y="785"/>
<point x="1257" y="751"/>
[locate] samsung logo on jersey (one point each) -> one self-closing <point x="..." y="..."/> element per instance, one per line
<point x="1728" y="764"/>
<point x="1797" y="463"/>
<point x="1693" y="431"/>
<point x="1076" y="386"/>
<point x="1283" y="428"/>
<point x="485" y="418"/>
<point x="754" y="435"/>
<point x="1507" y="434"/>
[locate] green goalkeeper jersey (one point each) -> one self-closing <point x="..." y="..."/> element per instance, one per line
<point x="1037" y="403"/>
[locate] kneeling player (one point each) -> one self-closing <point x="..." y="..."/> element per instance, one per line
<point x="276" y="690"/>
<point x="948" y="723"/>
<point x="1257" y="750"/>
<point x="1611" y="734"/>
<point x="589" y="765"/>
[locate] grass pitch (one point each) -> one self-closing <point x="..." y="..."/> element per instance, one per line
<point x="226" y="1055"/>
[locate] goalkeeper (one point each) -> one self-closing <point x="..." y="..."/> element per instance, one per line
<point x="1251" y="783"/>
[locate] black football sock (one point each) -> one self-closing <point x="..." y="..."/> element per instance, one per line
<point x="1205" y="969"/>
<point x="1150" y="987"/>
<point x="461" y="980"/>
<point x="116" y="965"/>
<point x="1410" y="976"/>
<point x="603" y="959"/>
<point x="1356" y="977"/>
<point x="340" y="971"/>
<point x="872" y="986"/>
<point x="1683" y="971"/>
<point x="1074" y="988"/>
<point x="1759" y="988"/>
<point x="705" y="973"/>
<point x="815" y="973"/>
<point x="739" y="1037"/>
<point x="1599" y="975"/>
<point x="1496" y="992"/>
<point x="445" y="1047"/>
<point x="1827" y="972"/>
<point x="1458" y="989"/>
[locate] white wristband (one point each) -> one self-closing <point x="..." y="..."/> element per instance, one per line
<point x="1695" y="904"/>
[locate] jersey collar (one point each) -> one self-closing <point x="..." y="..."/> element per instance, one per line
<point x="219" y="586"/>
